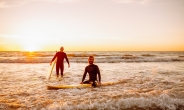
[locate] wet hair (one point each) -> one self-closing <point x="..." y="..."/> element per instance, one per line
<point x="91" y="56"/>
<point x="61" y="47"/>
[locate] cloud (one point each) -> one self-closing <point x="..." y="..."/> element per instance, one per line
<point x="14" y="3"/>
<point x="64" y="1"/>
<point x="134" y="1"/>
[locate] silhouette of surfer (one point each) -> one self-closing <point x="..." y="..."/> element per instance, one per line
<point x="92" y="70"/>
<point x="60" y="61"/>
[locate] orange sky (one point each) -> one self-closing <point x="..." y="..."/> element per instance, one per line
<point x="92" y="25"/>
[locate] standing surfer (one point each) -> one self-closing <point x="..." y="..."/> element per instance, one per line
<point x="60" y="61"/>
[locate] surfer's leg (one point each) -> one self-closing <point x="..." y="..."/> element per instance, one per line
<point x="86" y="82"/>
<point x="62" y="69"/>
<point x="57" y="70"/>
<point x="94" y="84"/>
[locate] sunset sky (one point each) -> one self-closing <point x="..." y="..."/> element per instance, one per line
<point x="92" y="25"/>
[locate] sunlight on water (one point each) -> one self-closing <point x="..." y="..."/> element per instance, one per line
<point x="153" y="85"/>
<point x="100" y="57"/>
<point x="144" y="86"/>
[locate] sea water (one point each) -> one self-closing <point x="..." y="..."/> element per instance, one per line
<point x="149" y="81"/>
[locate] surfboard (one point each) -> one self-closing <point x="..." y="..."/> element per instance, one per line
<point x="51" y="87"/>
<point x="51" y="69"/>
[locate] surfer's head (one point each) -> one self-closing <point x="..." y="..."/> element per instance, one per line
<point x="91" y="59"/>
<point x="61" y="49"/>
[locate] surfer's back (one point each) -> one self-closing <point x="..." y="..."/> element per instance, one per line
<point x="61" y="56"/>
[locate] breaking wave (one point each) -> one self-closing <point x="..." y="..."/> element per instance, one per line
<point x="100" y="57"/>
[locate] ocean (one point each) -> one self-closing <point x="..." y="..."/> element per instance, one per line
<point x="149" y="81"/>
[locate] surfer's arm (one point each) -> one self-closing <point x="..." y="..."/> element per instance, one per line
<point x="99" y="75"/>
<point x="84" y="76"/>
<point x="67" y="60"/>
<point x="53" y="59"/>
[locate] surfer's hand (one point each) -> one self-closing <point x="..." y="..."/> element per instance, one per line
<point x="68" y="65"/>
<point x="50" y="63"/>
<point x="81" y="83"/>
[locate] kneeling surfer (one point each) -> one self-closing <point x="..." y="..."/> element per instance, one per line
<point x="92" y="70"/>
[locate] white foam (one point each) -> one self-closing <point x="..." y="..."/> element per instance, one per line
<point x="162" y="102"/>
<point x="144" y="85"/>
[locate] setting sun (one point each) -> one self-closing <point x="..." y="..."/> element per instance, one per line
<point x="30" y="48"/>
<point x="30" y="44"/>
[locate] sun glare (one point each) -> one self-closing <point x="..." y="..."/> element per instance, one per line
<point x="30" y="44"/>
<point x="30" y="48"/>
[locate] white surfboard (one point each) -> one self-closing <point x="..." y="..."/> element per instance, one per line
<point x="51" y="69"/>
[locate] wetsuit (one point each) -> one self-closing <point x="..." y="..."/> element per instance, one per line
<point x="59" y="64"/>
<point x="92" y="70"/>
